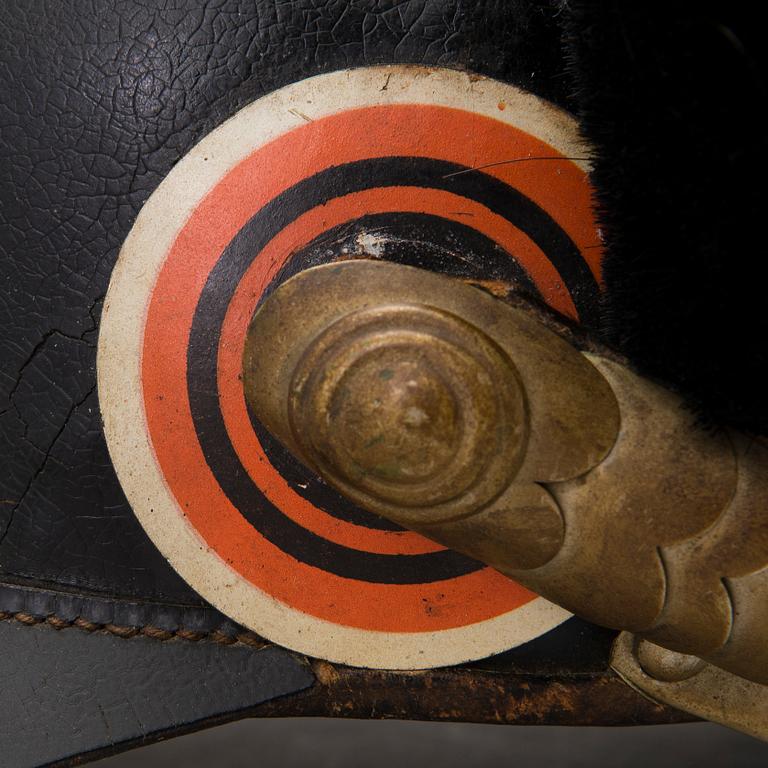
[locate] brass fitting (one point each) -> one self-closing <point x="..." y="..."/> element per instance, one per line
<point x="451" y="412"/>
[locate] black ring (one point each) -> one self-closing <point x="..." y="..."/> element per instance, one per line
<point x="222" y="282"/>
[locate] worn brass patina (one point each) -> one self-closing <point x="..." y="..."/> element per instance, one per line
<point x="440" y="407"/>
<point x="690" y="684"/>
<point x="416" y="410"/>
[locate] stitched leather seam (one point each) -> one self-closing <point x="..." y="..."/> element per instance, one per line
<point x="156" y="633"/>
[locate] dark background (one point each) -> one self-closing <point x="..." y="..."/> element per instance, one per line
<point x="322" y="743"/>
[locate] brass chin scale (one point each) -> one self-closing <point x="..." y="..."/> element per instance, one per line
<point x="483" y="426"/>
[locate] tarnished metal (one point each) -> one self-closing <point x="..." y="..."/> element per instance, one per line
<point x="690" y="684"/>
<point x="417" y="412"/>
<point x="432" y="403"/>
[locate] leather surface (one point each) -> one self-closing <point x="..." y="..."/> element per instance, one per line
<point x="66" y="692"/>
<point x="70" y="607"/>
<point x="99" y="101"/>
<point x="576" y="646"/>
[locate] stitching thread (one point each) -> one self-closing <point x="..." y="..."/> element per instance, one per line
<point x="245" y="638"/>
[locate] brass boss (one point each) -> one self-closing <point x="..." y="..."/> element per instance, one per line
<point x="428" y="402"/>
<point x="483" y="426"/>
<point x="410" y="406"/>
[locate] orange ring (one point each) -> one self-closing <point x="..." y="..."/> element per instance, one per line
<point x="340" y="138"/>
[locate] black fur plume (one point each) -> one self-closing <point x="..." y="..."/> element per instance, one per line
<point x="672" y="103"/>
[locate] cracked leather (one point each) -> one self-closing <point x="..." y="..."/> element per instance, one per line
<point x="99" y="101"/>
<point x="73" y="697"/>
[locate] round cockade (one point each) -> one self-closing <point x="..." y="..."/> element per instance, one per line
<point x="425" y="167"/>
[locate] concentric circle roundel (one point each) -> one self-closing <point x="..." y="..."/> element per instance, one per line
<point x="430" y="167"/>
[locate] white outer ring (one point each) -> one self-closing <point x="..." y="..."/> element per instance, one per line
<point x="122" y="331"/>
